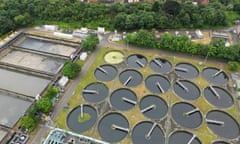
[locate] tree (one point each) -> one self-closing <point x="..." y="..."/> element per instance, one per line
<point x="51" y="92"/>
<point x="90" y="43"/>
<point x="28" y="123"/>
<point x="172" y="7"/>
<point x="71" y="69"/>
<point x="233" y="65"/>
<point x="44" y="105"/>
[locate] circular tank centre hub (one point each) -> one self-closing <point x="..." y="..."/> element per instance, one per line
<point x="130" y="78"/>
<point x="136" y="61"/>
<point x="105" y="72"/>
<point x="186" y="115"/>
<point x="147" y="132"/>
<point x="186" y="70"/>
<point x="82" y="118"/>
<point x="183" y="137"/>
<point x="113" y="127"/>
<point x="114" y="57"/>
<point x="123" y="99"/>
<point x="222" y="124"/>
<point x="95" y="92"/>
<point x="157" y="83"/>
<point x="186" y="90"/>
<point x="215" y="76"/>
<point x="160" y="65"/>
<point x="218" y="97"/>
<point x="153" y="107"/>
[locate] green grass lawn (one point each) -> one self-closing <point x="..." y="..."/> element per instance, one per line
<point x="134" y="114"/>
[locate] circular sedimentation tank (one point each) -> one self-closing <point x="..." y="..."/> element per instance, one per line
<point x="113" y="127"/>
<point x="95" y="92"/>
<point x="114" y="57"/>
<point x="105" y="73"/>
<point x="136" y="61"/>
<point x="123" y="99"/>
<point x="130" y="78"/>
<point x="82" y="118"/>
<point x="186" y="115"/>
<point x="147" y="132"/>
<point x="153" y="107"/>
<point x="218" y="97"/>
<point x="183" y="137"/>
<point x="157" y="83"/>
<point x="160" y="65"/>
<point x="222" y="124"/>
<point x="215" y="75"/>
<point x="186" y="70"/>
<point x="186" y="89"/>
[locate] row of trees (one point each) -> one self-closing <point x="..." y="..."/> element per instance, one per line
<point x="168" y="14"/>
<point x="44" y="105"/>
<point x="216" y="48"/>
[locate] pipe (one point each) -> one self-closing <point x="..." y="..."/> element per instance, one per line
<point x="102" y="70"/>
<point x="191" y="140"/>
<point x="192" y="111"/>
<point x="81" y="110"/>
<point x="139" y="63"/>
<point x="214" y="92"/>
<point x="181" y="85"/>
<point x="90" y="91"/>
<point x="181" y="69"/>
<point x="148" y="108"/>
<point x="127" y="81"/>
<point x="157" y="62"/>
<point x="129" y="100"/>
<point x="159" y="87"/>
<point x="215" y="122"/>
<point x="217" y="73"/>
<point x="120" y="128"/>
<point x="151" y="130"/>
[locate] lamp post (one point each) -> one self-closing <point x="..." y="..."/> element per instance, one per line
<point x="205" y="60"/>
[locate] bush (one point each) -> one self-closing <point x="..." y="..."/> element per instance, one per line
<point x="90" y="43"/>
<point x="27" y="122"/>
<point x="71" y="69"/>
<point x="51" y="92"/>
<point x="233" y="66"/>
<point x="44" y="105"/>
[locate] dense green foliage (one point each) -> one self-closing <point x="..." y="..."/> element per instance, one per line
<point x="169" y="14"/>
<point x="233" y="66"/>
<point x="90" y="43"/>
<point x="44" y="105"/>
<point x="71" y="69"/>
<point x="183" y="44"/>
<point x="28" y="123"/>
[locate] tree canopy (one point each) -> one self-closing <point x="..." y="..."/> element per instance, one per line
<point x="71" y="69"/>
<point x="124" y="16"/>
<point x="90" y="43"/>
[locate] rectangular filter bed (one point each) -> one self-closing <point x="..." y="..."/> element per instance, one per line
<point x="12" y="108"/>
<point x="33" y="61"/>
<point x="22" y="83"/>
<point x="45" y="45"/>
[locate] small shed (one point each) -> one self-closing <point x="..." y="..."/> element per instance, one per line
<point x="63" y="81"/>
<point x="101" y="30"/>
<point x="83" y="56"/>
